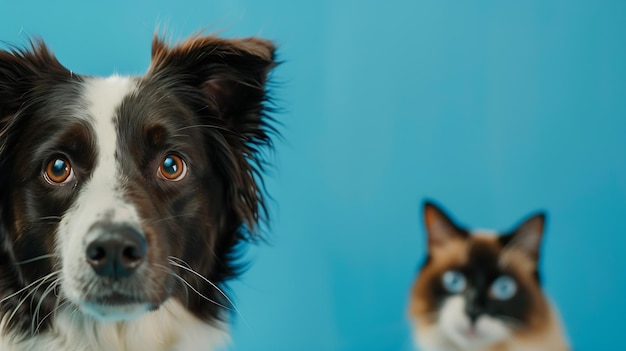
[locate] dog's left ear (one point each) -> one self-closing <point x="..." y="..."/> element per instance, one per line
<point x="231" y="73"/>
<point x="229" y="78"/>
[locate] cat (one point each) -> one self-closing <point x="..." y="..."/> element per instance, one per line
<point x="479" y="291"/>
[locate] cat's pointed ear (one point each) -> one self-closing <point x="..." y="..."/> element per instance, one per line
<point x="440" y="229"/>
<point x="526" y="238"/>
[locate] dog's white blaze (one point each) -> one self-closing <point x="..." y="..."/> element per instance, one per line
<point x="100" y="196"/>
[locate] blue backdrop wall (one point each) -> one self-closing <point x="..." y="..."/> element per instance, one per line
<point x="495" y="109"/>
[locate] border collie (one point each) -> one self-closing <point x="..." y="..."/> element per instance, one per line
<point x="124" y="200"/>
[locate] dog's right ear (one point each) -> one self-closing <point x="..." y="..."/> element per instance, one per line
<point x="21" y="72"/>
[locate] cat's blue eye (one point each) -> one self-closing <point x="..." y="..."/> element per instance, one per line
<point x="503" y="288"/>
<point x="454" y="282"/>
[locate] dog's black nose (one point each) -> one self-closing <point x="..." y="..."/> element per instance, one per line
<point x="116" y="251"/>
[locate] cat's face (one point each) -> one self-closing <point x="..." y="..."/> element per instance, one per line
<point x="475" y="288"/>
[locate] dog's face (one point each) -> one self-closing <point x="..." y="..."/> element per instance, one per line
<point x="120" y="193"/>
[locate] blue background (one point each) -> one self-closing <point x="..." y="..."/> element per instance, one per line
<point x="495" y="109"/>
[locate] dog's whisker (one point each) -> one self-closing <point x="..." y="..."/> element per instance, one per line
<point x="15" y="311"/>
<point x="178" y="279"/>
<point x="30" y="293"/>
<point x="179" y="260"/>
<point x="43" y="295"/>
<point x="195" y="276"/>
<point x="189" y="269"/>
<point x="195" y="290"/>
<point x="53" y="312"/>
<point x="47" y="218"/>
<point x="34" y="259"/>
<point x="34" y="291"/>
<point x="200" y="294"/>
<point x="48" y="290"/>
<point x="28" y="286"/>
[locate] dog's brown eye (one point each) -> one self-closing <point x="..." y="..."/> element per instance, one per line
<point x="172" y="168"/>
<point x="58" y="171"/>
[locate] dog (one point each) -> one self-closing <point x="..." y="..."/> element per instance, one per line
<point x="125" y="200"/>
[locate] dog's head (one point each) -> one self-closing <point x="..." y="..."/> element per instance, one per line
<point x="119" y="193"/>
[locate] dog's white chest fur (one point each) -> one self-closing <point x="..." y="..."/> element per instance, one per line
<point x="171" y="328"/>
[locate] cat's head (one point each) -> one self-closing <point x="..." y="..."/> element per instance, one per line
<point x="478" y="288"/>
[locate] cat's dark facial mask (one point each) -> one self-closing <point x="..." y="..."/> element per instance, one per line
<point x="479" y="288"/>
